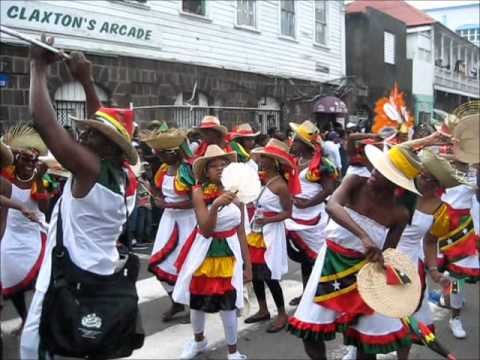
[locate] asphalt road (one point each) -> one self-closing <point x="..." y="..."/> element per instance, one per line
<point x="165" y="340"/>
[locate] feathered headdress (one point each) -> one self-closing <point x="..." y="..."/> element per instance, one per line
<point x="391" y="112"/>
<point x="24" y="137"/>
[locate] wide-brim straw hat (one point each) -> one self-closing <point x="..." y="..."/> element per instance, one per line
<point x="212" y="152"/>
<point x="382" y="162"/>
<point x="395" y="301"/>
<point x="24" y="137"/>
<point x="277" y="150"/>
<point x="170" y="139"/>
<point x="6" y="156"/>
<point x="440" y="169"/>
<point x="466" y="147"/>
<point x="212" y="122"/>
<point x="306" y="132"/>
<point x="243" y="131"/>
<point x="114" y="130"/>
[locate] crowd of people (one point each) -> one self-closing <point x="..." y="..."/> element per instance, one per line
<point x="331" y="201"/>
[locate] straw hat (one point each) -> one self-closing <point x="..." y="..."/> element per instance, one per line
<point x="23" y="137"/>
<point x="277" y="150"/>
<point x="6" y="156"/>
<point x="395" y="301"/>
<point x="212" y="152"/>
<point x="396" y="165"/>
<point x="169" y="139"/>
<point x="212" y="122"/>
<point x="117" y="125"/>
<point x="243" y="131"/>
<point x="307" y="132"/>
<point x="467" y="145"/>
<point x="54" y="167"/>
<point x="448" y="123"/>
<point x="440" y="168"/>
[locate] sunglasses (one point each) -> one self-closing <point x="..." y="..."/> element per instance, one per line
<point x="168" y="152"/>
<point x="27" y="157"/>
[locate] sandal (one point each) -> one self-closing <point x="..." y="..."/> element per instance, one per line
<point x="276" y="328"/>
<point x="257" y="318"/>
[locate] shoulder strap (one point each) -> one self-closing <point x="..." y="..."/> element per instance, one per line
<point x="59" y="247"/>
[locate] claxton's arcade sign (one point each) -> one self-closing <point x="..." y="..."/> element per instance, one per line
<point x="54" y="18"/>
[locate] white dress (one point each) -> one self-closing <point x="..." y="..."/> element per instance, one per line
<point x="22" y="246"/>
<point x="91" y="227"/>
<point x="176" y="225"/>
<point x="411" y="244"/>
<point x="306" y="226"/>
<point x="274" y="236"/>
<point x="314" y="321"/>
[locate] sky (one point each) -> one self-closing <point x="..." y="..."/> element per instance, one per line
<point x="428" y="4"/>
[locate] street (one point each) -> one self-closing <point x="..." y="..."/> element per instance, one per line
<point x="165" y="340"/>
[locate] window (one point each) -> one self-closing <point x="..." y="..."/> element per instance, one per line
<point x="321" y="22"/>
<point x="196" y="7"/>
<point x="246" y="15"/>
<point x="389" y="47"/>
<point x="287" y="17"/>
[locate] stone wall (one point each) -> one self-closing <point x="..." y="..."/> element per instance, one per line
<point x="149" y="82"/>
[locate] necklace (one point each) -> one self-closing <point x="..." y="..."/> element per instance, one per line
<point x="26" y="180"/>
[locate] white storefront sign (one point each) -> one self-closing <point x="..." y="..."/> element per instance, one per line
<point x="66" y="21"/>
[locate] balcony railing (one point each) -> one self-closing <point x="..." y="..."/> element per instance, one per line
<point x="456" y="81"/>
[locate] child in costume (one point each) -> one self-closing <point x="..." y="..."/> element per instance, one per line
<point x="215" y="261"/>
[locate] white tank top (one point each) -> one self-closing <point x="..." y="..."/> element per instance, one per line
<point x="411" y="242"/>
<point x="91" y="227"/>
<point x="459" y="197"/>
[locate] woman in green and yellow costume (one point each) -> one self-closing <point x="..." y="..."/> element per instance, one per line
<point x="173" y="188"/>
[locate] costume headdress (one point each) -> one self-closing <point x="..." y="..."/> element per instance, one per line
<point x="391" y="113"/>
<point x="117" y="125"/>
<point x="24" y="137"/>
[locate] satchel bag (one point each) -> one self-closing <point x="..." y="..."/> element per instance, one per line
<point x="89" y="315"/>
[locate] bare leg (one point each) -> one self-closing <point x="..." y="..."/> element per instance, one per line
<point x="315" y="350"/>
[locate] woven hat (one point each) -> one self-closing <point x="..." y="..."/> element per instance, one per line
<point x="6" y="156"/>
<point x="466" y="148"/>
<point x="24" y="137"/>
<point x="212" y="152"/>
<point x="448" y="123"/>
<point x="395" y="301"/>
<point x="243" y="130"/>
<point x="212" y="122"/>
<point x="117" y="125"/>
<point x="396" y="165"/>
<point x="277" y="150"/>
<point x="169" y="139"/>
<point x="440" y="168"/>
<point x="307" y="132"/>
<point x="54" y="167"/>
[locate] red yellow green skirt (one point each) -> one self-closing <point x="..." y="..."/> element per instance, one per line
<point x="211" y="288"/>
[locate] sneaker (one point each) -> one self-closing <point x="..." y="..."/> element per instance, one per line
<point x="351" y="353"/>
<point x="457" y="328"/>
<point x="193" y="348"/>
<point x="236" y="356"/>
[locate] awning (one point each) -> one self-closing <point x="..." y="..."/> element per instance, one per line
<point x="330" y="105"/>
